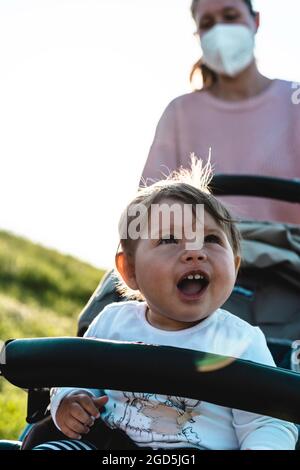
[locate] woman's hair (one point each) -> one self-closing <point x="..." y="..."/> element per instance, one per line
<point x="209" y="76"/>
<point x="187" y="186"/>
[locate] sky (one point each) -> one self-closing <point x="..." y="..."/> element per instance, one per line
<point x="82" y="86"/>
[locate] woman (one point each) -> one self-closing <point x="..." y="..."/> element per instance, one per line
<point x="249" y="121"/>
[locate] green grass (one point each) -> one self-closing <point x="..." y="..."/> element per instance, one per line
<point x="41" y="294"/>
<point x="39" y="276"/>
<point x="13" y="410"/>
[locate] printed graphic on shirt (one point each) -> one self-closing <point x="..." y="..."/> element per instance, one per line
<point x="150" y="417"/>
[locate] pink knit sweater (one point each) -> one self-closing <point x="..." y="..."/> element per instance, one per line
<point x="259" y="136"/>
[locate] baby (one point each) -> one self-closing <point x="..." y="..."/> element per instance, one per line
<point x="180" y="252"/>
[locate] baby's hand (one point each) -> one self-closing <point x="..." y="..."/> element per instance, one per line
<point x="77" y="413"/>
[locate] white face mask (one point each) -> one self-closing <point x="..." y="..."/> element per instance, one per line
<point x="228" y="49"/>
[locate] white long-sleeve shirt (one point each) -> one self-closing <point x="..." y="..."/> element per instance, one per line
<point x="161" y="421"/>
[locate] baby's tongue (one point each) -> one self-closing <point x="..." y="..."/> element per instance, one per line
<point x="190" y="287"/>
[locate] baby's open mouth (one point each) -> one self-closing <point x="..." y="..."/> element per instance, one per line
<point x="193" y="283"/>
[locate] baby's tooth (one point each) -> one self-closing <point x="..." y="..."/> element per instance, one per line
<point x="197" y="276"/>
<point x="190" y="276"/>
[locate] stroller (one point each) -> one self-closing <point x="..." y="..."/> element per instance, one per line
<point x="266" y="294"/>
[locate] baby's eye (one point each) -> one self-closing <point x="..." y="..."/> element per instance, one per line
<point x="167" y="240"/>
<point x="213" y="239"/>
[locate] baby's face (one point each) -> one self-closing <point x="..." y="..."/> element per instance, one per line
<point x="181" y="285"/>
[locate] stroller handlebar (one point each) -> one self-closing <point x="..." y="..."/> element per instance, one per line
<point x="256" y="186"/>
<point x="82" y="362"/>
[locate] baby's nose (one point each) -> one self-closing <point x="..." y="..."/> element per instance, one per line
<point x="193" y="255"/>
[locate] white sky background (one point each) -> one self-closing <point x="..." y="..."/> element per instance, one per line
<point x="82" y="86"/>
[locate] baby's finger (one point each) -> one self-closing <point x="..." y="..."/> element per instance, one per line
<point x="78" y="412"/>
<point x="88" y="405"/>
<point x="70" y="433"/>
<point x="76" y="426"/>
<point x="100" y="402"/>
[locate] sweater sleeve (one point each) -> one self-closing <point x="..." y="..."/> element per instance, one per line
<point x="164" y="155"/>
<point x="257" y="432"/>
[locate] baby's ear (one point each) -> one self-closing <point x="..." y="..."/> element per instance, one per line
<point x="126" y="268"/>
